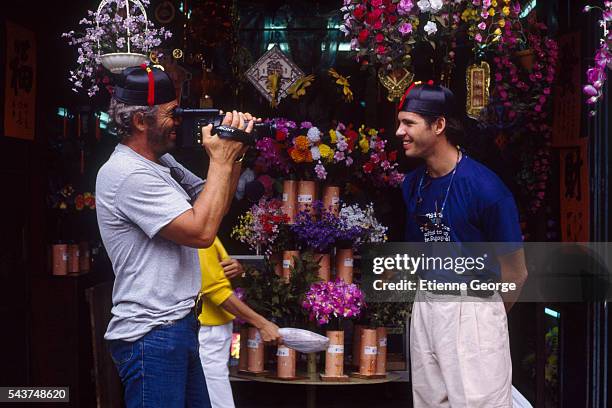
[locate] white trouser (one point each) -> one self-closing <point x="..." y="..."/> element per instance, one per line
<point x="460" y="352"/>
<point x="215" y="343"/>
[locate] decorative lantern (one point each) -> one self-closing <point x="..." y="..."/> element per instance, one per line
<point x="117" y="61"/>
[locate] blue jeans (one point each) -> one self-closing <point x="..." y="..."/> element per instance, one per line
<point x="162" y="368"/>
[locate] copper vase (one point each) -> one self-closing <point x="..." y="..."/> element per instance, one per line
<point x="344" y="264"/>
<point x="289" y="205"/>
<point x="381" y="356"/>
<point x="243" y="359"/>
<point x="368" y="353"/>
<point x="256" y="351"/>
<point x="60" y="259"/>
<point x="334" y="356"/>
<point x="285" y="357"/>
<point x="306" y="195"/>
<point x="331" y="199"/>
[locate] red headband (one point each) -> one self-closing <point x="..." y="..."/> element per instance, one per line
<point x="151" y="94"/>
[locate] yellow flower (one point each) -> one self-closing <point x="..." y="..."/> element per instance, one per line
<point x="364" y="144"/>
<point x="362" y="130"/>
<point x="326" y="152"/>
<point x="302" y="143"/>
<point x="506" y="10"/>
<point x="332" y="135"/>
<point x="494" y="3"/>
<point x="502" y="23"/>
<point x="491" y="11"/>
<point x="372" y="132"/>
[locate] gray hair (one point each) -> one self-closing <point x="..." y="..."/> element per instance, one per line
<point x="121" y="116"/>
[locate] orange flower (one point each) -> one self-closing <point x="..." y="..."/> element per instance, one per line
<point x="300" y="156"/>
<point x="302" y="143"/>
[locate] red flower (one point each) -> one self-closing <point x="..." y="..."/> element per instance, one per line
<point x="376" y="3"/>
<point x="391" y="9"/>
<point x="359" y="12"/>
<point x="363" y="36"/>
<point x="368" y="167"/>
<point x="380" y="38"/>
<point x="79" y="202"/>
<point x="393" y="156"/>
<point x="280" y="135"/>
<point x="377" y="25"/>
<point x="392" y="19"/>
<point x="352" y="136"/>
<point x="380" y="49"/>
<point x="374" y="16"/>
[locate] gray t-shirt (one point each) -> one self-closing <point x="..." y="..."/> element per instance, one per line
<point x="156" y="280"/>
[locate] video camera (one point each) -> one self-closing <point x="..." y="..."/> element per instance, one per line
<point x="189" y="135"/>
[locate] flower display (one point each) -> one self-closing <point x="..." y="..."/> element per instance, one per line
<point x="375" y="162"/>
<point x="261" y="227"/>
<point x="107" y="37"/>
<point x="596" y="75"/>
<point x="337" y="299"/>
<point x="487" y="19"/>
<point x="384" y="32"/>
<point x="322" y="229"/>
<point x="353" y="216"/>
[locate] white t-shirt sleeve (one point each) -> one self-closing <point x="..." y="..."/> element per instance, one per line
<point x="149" y="202"/>
<point x="192" y="183"/>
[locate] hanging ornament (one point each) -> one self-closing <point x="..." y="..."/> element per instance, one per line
<point x="273" y="74"/>
<point x="298" y="89"/>
<point x="396" y="82"/>
<point x="347" y="94"/>
<point x="478" y="79"/>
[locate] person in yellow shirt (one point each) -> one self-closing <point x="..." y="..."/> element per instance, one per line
<point x="219" y="308"/>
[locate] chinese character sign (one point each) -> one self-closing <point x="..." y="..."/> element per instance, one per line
<point x="478" y="78"/>
<point x="20" y="82"/>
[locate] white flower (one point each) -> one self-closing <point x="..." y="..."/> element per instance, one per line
<point x="314" y="135"/>
<point x="436" y="5"/>
<point x="316" y="153"/>
<point x="424" y="5"/>
<point x="430" y="28"/>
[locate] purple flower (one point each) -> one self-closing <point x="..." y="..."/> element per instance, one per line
<point x="305" y="125"/>
<point x="405" y="28"/>
<point x="320" y="171"/>
<point x="590" y="90"/>
<point x="404" y="7"/>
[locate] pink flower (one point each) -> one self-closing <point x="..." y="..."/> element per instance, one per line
<point x="498" y="76"/>
<point x="478" y="37"/>
<point x="590" y="90"/>
<point x="482" y="25"/>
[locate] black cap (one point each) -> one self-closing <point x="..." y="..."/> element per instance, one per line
<point x="428" y="99"/>
<point x="144" y="85"/>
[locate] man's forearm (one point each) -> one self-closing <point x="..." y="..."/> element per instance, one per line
<point x="240" y="309"/>
<point x="207" y="210"/>
<point x="236" y="170"/>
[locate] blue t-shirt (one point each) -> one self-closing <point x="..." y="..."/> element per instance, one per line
<point x="479" y="208"/>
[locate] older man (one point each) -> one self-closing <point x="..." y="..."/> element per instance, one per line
<point x="153" y="214"/>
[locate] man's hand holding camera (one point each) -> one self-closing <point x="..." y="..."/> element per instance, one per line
<point x="224" y="150"/>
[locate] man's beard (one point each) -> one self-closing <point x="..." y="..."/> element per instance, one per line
<point x="159" y="140"/>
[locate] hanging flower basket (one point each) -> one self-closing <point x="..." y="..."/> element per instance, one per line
<point x="118" y="61"/>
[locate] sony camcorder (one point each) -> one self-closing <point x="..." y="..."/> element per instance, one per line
<point x="189" y="134"/>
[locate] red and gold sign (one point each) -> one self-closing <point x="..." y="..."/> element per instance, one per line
<point x="478" y="79"/>
<point x="20" y="82"/>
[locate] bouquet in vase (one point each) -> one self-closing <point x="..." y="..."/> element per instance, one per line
<point x="262" y="227"/>
<point x="326" y="301"/>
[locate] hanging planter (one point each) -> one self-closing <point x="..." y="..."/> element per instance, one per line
<point x="118" y="61"/>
